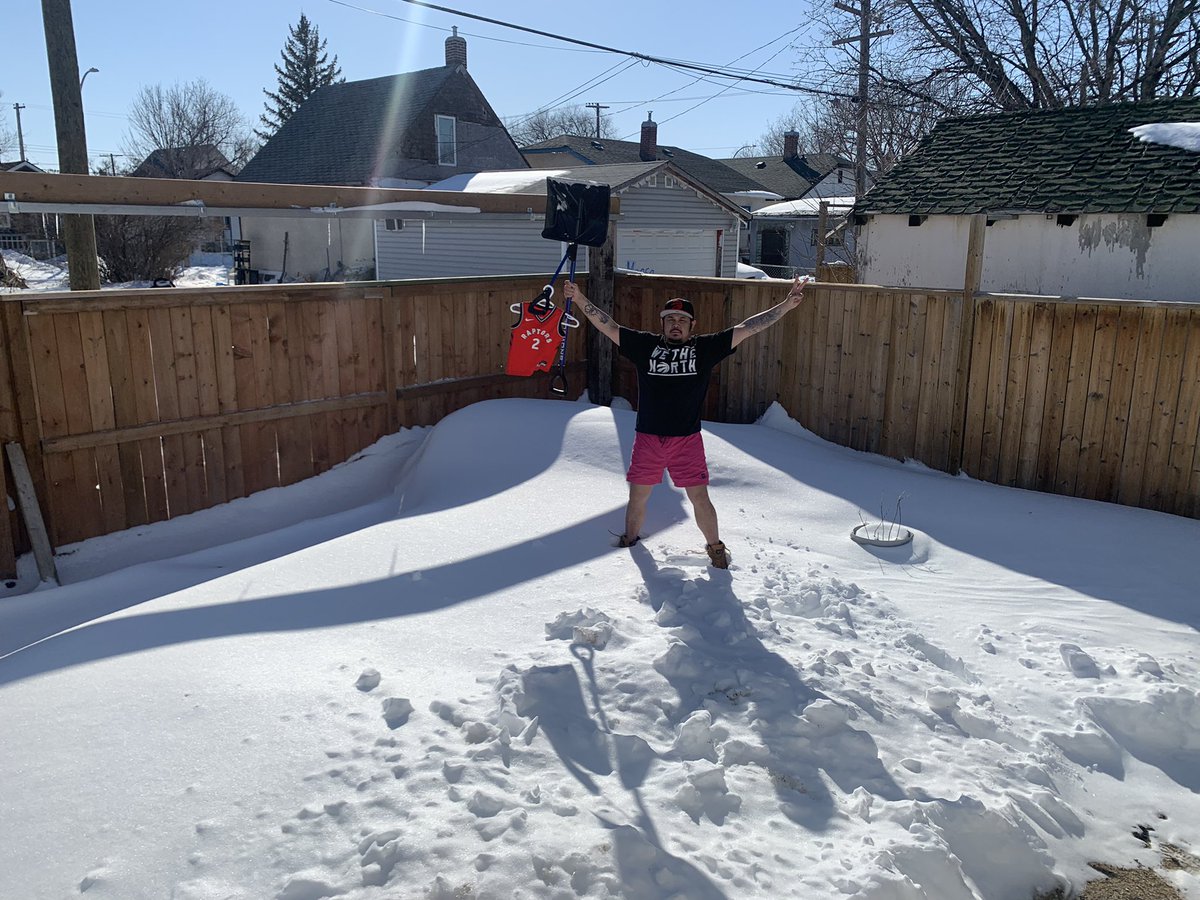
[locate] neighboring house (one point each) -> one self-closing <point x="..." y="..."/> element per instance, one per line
<point x="793" y="176"/>
<point x="669" y="223"/>
<point x="400" y="131"/>
<point x="1076" y="205"/>
<point x="201" y="163"/>
<point x="34" y="234"/>
<point x="741" y="188"/>
<point x="570" y="152"/>
<point x="784" y="237"/>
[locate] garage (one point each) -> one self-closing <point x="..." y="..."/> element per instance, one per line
<point x="669" y="251"/>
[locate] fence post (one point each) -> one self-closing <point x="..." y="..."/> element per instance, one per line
<point x="971" y="280"/>
<point x="602" y="293"/>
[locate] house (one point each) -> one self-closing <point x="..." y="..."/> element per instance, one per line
<point x="793" y="176"/>
<point x="33" y="234"/>
<point x="204" y="162"/>
<point x="1076" y="205"/>
<point x="572" y="151"/>
<point x="406" y="131"/>
<point x="784" y="238"/>
<point x="669" y="223"/>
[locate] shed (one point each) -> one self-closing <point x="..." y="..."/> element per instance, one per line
<point x="1075" y="205"/>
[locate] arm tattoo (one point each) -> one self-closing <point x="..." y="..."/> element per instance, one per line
<point x="595" y="313"/>
<point x="763" y="320"/>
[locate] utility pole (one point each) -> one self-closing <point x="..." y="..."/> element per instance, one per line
<point x="79" y="232"/>
<point x="597" y="107"/>
<point x="20" y="134"/>
<point x="863" y="12"/>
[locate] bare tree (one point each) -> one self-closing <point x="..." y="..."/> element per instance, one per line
<point x="183" y="117"/>
<point x="1029" y="54"/>
<point x="8" y="136"/>
<point x="897" y="118"/>
<point x="577" y="121"/>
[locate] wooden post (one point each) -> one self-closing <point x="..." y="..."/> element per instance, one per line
<point x="31" y="512"/>
<point x="971" y="281"/>
<point x="822" y="224"/>
<point x="79" y="233"/>
<point x="602" y="293"/>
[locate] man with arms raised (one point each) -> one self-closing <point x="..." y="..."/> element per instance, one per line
<point x="673" y="370"/>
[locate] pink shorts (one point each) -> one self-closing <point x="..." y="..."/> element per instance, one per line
<point x="682" y="457"/>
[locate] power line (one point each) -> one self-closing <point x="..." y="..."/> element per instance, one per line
<point x="644" y="57"/>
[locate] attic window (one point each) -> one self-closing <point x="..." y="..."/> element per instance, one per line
<point x="1156" y="220"/>
<point x="915" y="221"/>
<point x="447" y="149"/>
<point x="670" y="181"/>
<point x="1065" y="219"/>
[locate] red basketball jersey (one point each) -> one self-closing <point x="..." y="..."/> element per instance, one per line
<point x="536" y="339"/>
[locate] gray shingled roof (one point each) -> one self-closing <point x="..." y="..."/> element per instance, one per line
<point x="1082" y="160"/>
<point x="790" y="178"/>
<point x="334" y="136"/>
<point x="184" y="162"/>
<point x="716" y="175"/>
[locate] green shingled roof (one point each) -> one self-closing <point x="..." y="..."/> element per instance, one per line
<point x="1082" y="160"/>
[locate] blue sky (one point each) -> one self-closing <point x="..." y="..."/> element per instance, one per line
<point x="234" y="46"/>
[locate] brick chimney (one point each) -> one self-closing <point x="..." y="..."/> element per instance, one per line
<point x="456" y="49"/>
<point x="791" y="144"/>
<point x="649" y="147"/>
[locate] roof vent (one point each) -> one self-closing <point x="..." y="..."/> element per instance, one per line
<point x="760" y="164"/>
<point x="597" y="145"/>
<point x="666" y="152"/>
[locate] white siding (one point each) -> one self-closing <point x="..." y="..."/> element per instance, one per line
<point x="474" y="245"/>
<point x="1114" y="256"/>
<point x="310" y="243"/>
<point x="506" y="245"/>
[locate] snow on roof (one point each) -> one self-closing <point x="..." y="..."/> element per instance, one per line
<point x="1185" y="135"/>
<point x="512" y="181"/>
<point x="806" y="206"/>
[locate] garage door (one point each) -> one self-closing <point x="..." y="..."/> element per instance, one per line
<point x="668" y="252"/>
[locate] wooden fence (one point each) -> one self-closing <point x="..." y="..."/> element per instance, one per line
<point x="137" y="406"/>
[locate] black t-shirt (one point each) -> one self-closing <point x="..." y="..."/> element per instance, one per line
<point x="673" y="378"/>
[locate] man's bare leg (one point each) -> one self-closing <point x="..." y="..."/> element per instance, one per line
<point x="706" y="513"/>
<point x="635" y="512"/>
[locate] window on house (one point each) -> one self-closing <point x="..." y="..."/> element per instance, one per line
<point x="670" y="181"/>
<point x="447" y="149"/>
<point x="652" y="181"/>
<point x="393" y="224"/>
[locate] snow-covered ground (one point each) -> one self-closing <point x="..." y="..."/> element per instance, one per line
<point x="427" y="673"/>
<point x="51" y="274"/>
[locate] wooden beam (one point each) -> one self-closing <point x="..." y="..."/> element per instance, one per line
<point x="43" y="187"/>
<point x="32" y="514"/>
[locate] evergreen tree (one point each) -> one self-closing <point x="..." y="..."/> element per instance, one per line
<point x="306" y="67"/>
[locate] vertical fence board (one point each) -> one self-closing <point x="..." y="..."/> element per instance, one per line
<point x="1056" y="390"/>
<point x="208" y="403"/>
<point x="100" y="402"/>
<point x="295" y="440"/>
<point x="183" y="349"/>
<point x="1096" y="408"/>
<point x="116" y="341"/>
<point x="1015" y="392"/>
<point x="145" y="402"/>
<point x="1041" y="335"/>
<point x="1164" y="409"/>
<point x="1187" y="419"/>
<point x="166" y="390"/>
<point x="997" y="384"/>
<point x="977" y="388"/>
<point x="1116" y="423"/>
<point x="82" y="516"/>
<point x="231" y="435"/>
<point x="1070" y="445"/>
